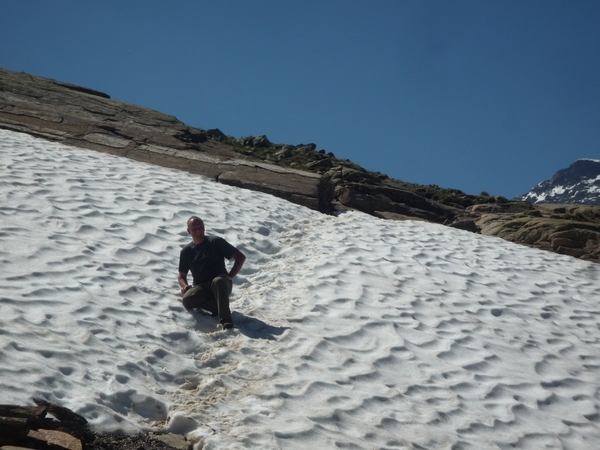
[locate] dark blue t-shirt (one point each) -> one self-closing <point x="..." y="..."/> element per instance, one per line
<point x="206" y="260"/>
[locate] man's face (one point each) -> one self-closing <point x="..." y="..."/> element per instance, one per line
<point x="196" y="229"/>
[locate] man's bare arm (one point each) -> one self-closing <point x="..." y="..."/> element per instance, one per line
<point x="239" y="258"/>
<point x="183" y="284"/>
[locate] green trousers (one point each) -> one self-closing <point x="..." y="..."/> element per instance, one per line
<point x="212" y="296"/>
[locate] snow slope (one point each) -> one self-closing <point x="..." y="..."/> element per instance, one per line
<point x="353" y="332"/>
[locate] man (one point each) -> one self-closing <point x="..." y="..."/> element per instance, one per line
<point x="205" y="258"/>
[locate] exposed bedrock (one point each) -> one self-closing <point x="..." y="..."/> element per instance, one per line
<point x="86" y="118"/>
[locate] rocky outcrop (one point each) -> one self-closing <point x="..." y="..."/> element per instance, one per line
<point x="355" y="189"/>
<point x="567" y="229"/>
<point x="48" y="426"/>
<point x="87" y="118"/>
<point x="350" y="187"/>
<point x="299" y="173"/>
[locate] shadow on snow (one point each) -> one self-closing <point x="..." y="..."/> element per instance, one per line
<point x="248" y="326"/>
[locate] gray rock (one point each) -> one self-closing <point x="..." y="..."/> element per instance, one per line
<point x="176" y="441"/>
<point x="306" y="148"/>
<point x="320" y="164"/>
<point x="466" y="224"/>
<point x="285" y="152"/>
<point x="261" y="141"/>
<point x="26" y="427"/>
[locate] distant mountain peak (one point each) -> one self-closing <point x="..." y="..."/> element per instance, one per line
<point x="579" y="183"/>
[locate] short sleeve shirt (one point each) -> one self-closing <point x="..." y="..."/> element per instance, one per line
<point x="207" y="260"/>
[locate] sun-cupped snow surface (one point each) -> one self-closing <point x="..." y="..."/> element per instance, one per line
<point x="352" y="332"/>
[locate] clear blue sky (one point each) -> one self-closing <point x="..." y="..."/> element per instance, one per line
<point x="474" y="95"/>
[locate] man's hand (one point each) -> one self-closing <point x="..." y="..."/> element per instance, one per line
<point x="183" y="284"/>
<point x="185" y="289"/>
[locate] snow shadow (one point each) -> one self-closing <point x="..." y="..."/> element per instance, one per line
<point x="255" y="328"/>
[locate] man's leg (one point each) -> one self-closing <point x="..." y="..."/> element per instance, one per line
<point x="221" y="288"/>
<point x="201" y="296"/>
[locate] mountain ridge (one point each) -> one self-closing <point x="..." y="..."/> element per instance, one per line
<point x="302" y="174"/>
<point x="577" y="184"/>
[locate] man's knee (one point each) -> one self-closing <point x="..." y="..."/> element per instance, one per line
<point x="222" y="284"/>
<point x="220" y="281"/>
<point x="193" y="297"/>
<point x="188" y="301"/>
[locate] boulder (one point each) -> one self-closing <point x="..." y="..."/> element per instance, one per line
<point x="306" y="148"/>
<point x="261" y="142"/>
<point x="27" y="427"/>
<point x="465" y="224"/>
<point x="13" y="430"/>
<point x="55" y="438"/>
<point x="217" y="134"/>
<point x="320" y="164"/>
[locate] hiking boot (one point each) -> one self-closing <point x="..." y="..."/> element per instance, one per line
<point x="227" y="326"/>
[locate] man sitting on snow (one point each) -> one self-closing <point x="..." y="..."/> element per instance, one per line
<point x="205" y="258"/>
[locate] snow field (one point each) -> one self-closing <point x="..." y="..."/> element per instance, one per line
<point x="353" y="332"/>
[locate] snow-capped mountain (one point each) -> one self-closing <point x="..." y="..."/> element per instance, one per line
<point x="579" y="183"/>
